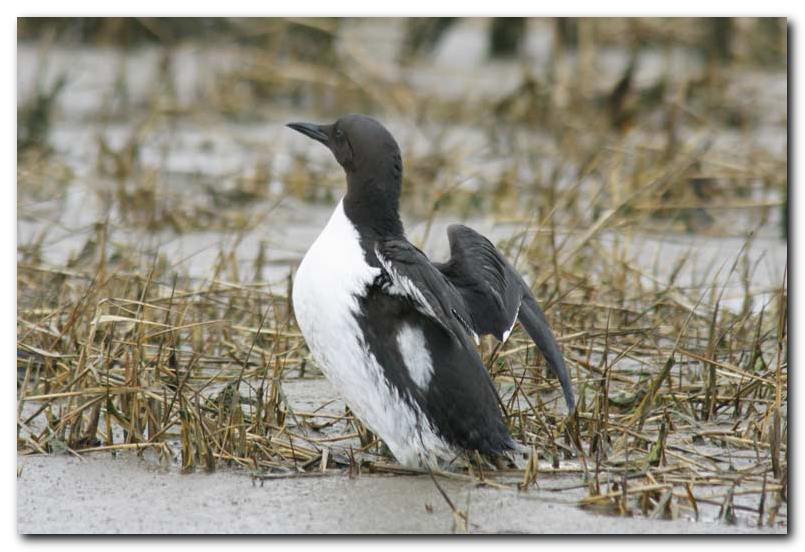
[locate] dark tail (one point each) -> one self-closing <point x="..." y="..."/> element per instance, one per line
<point x="532" y="317"/>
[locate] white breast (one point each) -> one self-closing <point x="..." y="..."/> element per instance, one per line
<point x="332" y="275"/>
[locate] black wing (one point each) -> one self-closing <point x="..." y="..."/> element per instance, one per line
<point x="496" y="297"/>
<point x="460" y="398"/>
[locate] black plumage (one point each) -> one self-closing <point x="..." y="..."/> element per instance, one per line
<point x="476" y="292"/>
<point x="461" y="400"/>
<point x="495" y="295"/>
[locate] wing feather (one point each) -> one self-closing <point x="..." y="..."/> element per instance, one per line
<point x="460" y="398"/>
<point x="496" y="297"/>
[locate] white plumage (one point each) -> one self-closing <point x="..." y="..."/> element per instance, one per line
<point x="331" y="276"/>
<point x="415" y="354"/>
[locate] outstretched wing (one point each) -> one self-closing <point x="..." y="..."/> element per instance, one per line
<point x="496" y="297"/>
<point x="434" y="329"/>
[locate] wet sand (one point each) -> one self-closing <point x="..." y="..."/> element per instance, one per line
<point x="101" y="494"/>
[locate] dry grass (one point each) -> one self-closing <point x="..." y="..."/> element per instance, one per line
<point x="682" y="395"/>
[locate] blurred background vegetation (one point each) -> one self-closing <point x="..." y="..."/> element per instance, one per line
<point x="562" y="99"/>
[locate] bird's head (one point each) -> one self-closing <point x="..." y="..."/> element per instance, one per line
<point x="359" y="143"/>
<point x="371" y="160"/>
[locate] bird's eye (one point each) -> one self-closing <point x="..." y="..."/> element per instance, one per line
<point x="338" y="133"/>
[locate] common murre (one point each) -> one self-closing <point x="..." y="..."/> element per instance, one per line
<point x="393" y="331"/>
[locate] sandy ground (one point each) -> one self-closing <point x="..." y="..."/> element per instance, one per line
<point x="101" y="494"/>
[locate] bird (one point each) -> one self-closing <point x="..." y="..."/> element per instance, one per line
<point x="395" y="333"/>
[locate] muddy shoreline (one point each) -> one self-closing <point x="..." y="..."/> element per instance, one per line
<point x="104" y="495"/>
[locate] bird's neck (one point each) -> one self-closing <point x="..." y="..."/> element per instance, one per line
<point x="373" y="201"/>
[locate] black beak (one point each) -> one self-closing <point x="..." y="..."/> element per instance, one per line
<point x="310" y="130"/>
